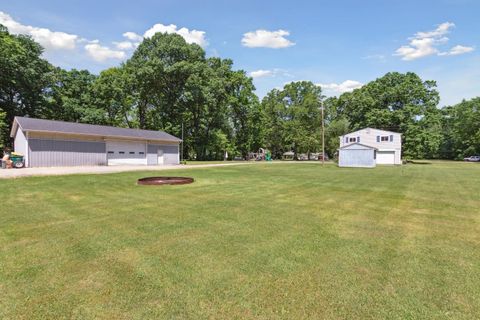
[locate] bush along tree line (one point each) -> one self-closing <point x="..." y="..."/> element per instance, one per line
<point x="168" y="83"/>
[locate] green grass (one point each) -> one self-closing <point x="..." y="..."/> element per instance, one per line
<point x="194" y="162"/>
<point x="265" y="241"/>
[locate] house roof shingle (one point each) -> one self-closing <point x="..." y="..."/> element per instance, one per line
<point x="53" y="126"/>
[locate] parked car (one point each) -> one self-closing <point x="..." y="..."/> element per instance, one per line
<point x="472" y="159"/>
<point x="320" y="157"/>
<point x="317" y="156"/>
<point x="302" y="157"/>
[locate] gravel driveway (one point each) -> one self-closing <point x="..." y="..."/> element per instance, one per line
<point x="52" y="171"/>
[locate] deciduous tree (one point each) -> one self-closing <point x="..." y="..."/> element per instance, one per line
<point x="24" y="76"/>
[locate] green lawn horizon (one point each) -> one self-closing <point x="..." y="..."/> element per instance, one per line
<point x="264" y="241"/>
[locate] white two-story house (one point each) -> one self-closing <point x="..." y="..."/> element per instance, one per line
<point x="369" y="147"/>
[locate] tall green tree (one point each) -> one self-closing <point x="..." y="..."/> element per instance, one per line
<point x="292" y="118"/>
<point x="71" y="98"/>
<point x="160" y="67"/>
<point x="243" y="114"/>
<point x="461" y="124"/>
<point x="174" y="84"/>
<point x="275" y="117"/>
<point x="397" y="102"/>
<point x="24" y="75"/>
<point x="302" y="100"/>
<point x="3" y="129"/>
<point x="335" y="129"/>
<point x="113" y="93"/>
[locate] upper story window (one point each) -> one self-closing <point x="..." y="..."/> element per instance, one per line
<point x="352" y="139"/>
<point x="385" y="138"/>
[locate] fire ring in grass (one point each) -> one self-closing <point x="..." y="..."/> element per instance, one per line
<point x="159" y="181"/>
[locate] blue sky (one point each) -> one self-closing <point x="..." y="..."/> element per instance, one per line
<point x="338" y="44"/>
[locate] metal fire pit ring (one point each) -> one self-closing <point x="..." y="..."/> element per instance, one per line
<point x="160" y="181"/>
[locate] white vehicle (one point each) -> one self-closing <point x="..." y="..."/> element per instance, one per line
<point x="472" y="159"/>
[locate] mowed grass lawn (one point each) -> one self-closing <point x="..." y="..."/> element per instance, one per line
<point x="261" y="241"/>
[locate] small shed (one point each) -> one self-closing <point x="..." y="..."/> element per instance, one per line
<point x="357" y="155"/>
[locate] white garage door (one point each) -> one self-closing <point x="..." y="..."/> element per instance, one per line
<point x="122" y="152"/>
<point x="385" y="157"/>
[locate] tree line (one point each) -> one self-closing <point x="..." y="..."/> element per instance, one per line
<point x="168" y="84"/>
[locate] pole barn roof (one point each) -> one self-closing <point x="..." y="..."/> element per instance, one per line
<point x="52" y="126"/>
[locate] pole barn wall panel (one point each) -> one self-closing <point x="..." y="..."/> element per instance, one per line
<point x="170" y="154"/>
<point x="59" y="153"/>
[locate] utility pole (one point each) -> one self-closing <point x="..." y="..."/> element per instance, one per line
<point x="181" y="154"/>
<point x="323" y="134"/>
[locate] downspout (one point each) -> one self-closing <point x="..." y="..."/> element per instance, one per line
<point x="106" y="151"/>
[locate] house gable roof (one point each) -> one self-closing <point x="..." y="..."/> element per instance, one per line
<point x="62" y="127"/>
<point x="356" y="144"/>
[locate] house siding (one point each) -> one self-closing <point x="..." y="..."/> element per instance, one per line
<point x="368" y="136"/>
<point x="20" y="144"/>
<point x="55" y="153"/>
<point x="170" y="154"/>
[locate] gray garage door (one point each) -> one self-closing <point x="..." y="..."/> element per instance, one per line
<point x="356" y="158"/>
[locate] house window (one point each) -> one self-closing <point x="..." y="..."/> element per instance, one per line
<point x="132" y="152"/>
<point x="384" y="138"/>
<point x="121" y="152"/>
<point x="141" y="152"/>
<point x="111" y="152"/>
<point x="352" y="140"/>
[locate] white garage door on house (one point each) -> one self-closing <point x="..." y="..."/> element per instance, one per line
<point x="126" y="152"/>
<point x="385" y="157"/>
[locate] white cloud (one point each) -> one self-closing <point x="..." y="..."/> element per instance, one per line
<point x="132" y="36"/>
<point x="440" y="31"/>
<point x="345" y="86"/>
<point x="261" y="73"/>
<point x="124" y="45"/>
<point x="190" y="36"/>
<point x="457" y="50"/>
<point x="101" y="53"/>
<point x="426" y="43"/>
<point x="55" y="40"/>
<point x="267" y="39"/>
<point x="47" y="38"/>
